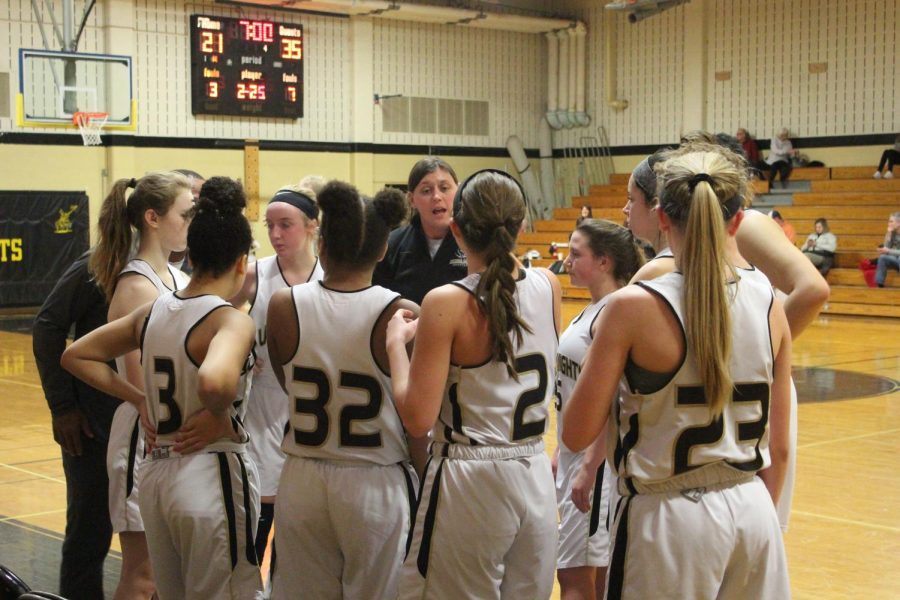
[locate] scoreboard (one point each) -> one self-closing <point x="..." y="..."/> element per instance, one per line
<point x="246" y="67"/>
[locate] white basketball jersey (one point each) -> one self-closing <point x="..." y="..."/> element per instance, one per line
<point x="142" y="267"/>
<point x="573" y="346"/>
<point x="269" y="280"/>
<point x="667" y="439"/>
<point x="170" y="375"/>
<point x="342" y="407"/>
<point x="483" y="404"/>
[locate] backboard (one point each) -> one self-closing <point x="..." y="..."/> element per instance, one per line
<point x="53" y="86"/>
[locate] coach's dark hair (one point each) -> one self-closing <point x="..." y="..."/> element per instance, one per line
<point x="606" y="238"/>
<point x="219" y="233"/>
<point x="354" y="229"/>
<point x="154" y="191"/>
<point x="489" y="210"/>
<point x="427" y="165"/>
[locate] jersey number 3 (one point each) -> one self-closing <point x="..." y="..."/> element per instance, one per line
<point x="171" y="422"/>
<point x="315" y="407"/>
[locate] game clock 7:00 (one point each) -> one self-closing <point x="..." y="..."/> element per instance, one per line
<point x="246" y="67"/>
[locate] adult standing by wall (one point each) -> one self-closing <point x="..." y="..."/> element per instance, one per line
<point x="423" y="254"/>
<point x="82" y="416"/>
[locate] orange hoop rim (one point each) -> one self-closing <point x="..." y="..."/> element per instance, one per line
<point x="83" y="117"/>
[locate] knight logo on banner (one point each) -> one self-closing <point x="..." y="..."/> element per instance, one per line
<point x="41" y="234"/>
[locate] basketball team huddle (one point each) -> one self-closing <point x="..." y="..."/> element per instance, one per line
<point x="378" y="390"/>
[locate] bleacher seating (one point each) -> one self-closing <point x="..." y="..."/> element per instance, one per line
<point x="856" y="206"/>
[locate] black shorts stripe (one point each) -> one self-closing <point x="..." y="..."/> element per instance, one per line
<point x="413" y="504"/>
<point x="250" y="539"/>
<point x="428" y="526"/>
<point x="412" y="515"/>
<point x="228" y="501"/>
<point x="597" y="501"/>
<point x="617" y="560"/>
<point x="132" y="452"/>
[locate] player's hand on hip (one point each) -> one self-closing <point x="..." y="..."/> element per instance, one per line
<point x="200" y="430"/>
<point x="67" y="431"/>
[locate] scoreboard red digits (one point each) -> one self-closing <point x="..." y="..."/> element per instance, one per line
<point x="246" y="67"/>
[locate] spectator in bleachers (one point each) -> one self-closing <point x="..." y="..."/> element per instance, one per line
<point x="889" y="251"/>
<point x="786" y="227"/>
<point x="586" y="213"/>
<point x="889" y="157"/>
<point x="751" y="152"/>
<point x="781" y="151"/>
<point x="820" y="247"/>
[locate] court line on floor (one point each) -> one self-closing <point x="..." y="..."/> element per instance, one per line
<point x="38" y="475"/>
<point x="847" y="439"/>
<point x="846" y="521"/>
<point x="37" y="514"/>
<point x="25" y="383"/>
<point x="53" y="535"/>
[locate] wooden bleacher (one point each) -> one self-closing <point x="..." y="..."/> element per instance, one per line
<point x="856" y="206"/>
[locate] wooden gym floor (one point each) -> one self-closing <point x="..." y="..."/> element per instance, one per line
<point x="844" y="537"/>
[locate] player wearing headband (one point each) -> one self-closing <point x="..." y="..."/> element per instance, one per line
<point x="292" y="219"/>
<point x="480" y="378"/>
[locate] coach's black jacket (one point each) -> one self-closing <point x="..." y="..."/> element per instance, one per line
<point x="407" y="267"/>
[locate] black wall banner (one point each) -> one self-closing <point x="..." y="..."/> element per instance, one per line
<point x="41" y="234"/>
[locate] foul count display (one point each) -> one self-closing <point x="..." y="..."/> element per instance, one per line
<point x="246" y="67"/>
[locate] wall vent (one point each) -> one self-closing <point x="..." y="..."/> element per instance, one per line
<point x="412" y="114"/>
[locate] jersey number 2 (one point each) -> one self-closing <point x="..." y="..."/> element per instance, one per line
<point x="315" y="407"/>
<point x="711" y="433"/>
<point x="523" y="430"/>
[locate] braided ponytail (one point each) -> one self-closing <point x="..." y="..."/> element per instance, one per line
<point x="489" y="210"/>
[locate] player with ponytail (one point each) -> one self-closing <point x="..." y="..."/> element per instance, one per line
<point x="692" y="370"/>
<point x="347" y="487"/>
<point x="480" y="379"/>
<point x="200" y="494"/>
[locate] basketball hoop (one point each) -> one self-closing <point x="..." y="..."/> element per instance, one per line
<point x="90" y="124"/>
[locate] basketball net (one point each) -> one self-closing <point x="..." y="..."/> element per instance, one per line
<point x="90" y="124"/>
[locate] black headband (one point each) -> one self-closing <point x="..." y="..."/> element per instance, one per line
<point x="457" y="200"/>
<point x="303" y="202"/>
<point x="729" y="207"/>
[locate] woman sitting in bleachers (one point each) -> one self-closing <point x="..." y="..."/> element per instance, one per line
<point x="820" y="246"/>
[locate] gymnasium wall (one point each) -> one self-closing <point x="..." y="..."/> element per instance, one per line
<point x="671" y="68"/>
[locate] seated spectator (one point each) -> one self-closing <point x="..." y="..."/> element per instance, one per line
<point x="586" y="213"/>
<point x="889" y="252"/>
<point x="781" y="151"/>
<point x="786" y="227"/>
<point x="751" y="152"/>
<point x="821" y="246"/>
<point x="889" y="157"/>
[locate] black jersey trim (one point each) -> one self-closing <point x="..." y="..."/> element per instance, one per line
<point x="144" y="333"/>
<point x="594" y="320"/>
<point x="256" y="287"/>
<point x="147" y="277"/>
<point x="769" y="329"/>
<point x="428" y="525"/>
<point x="596" y="501"/>
<point x="624" y="445"/>
<point x="414" y="514"/>
<point x="249" y="538"/>
<point x="615" y="586"/>
<point x="312" y="271"/>
<point x="132" y="456"/>
<point x="196" y="324"/>
<point x="372" y="339"/>
<point x="296" y="312"/>
<point x="228" y="501"/>
<point x="281" y="272"/>
<point x="362" y="289"/>
<point x="684" y="354"/>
